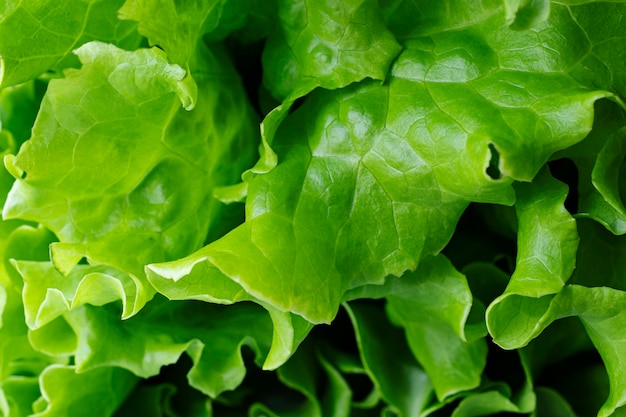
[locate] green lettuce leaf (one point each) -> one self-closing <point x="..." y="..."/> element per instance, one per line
<point x="68" y="393"/>
<point x="525" y="14"/>
<point x="151" y="195"/>
<point x="599" y="164"/>
<point x="388" y="361"/>
<point x="38" y="36"/>
<point x="330" y="45"/>
<point x="433" y="305"/>
<point x="546" y="259"/>
<point x="47" y="293"/>
<point x="20" y="363"/>
<point x="178" y="27"/>
<point x="373" y="177"/>
<point x="414" y="200"/>
<point x="160" y="334"/>
<point x="537" y="295"/>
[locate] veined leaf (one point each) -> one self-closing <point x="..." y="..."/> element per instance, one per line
<point x="40" y="35"/>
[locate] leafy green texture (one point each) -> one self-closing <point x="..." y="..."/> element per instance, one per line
<point x="158" y="337"/>
<point x="546" y="259"/>
<point x="395" y="372"/>
<point x="525" y="14"/>
<point x="433" y="307"/>
<point x="383" y="172"/>
<point x="598" y="160"/>
<point x="37" y="36"/>
<point x="329" y="45"/>
<point x="396" y="208"/>
<point x="178" y="27"/>
<point x="142" y="166"/>
<point x="537" y="294"/>
<point x="68" y="393"/>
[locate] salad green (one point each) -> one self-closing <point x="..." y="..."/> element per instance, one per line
<point x="296" y="208"/>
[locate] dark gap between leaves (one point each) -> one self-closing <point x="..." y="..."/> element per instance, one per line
<point x="565" y="170"/>
<point x="493" y="170"/>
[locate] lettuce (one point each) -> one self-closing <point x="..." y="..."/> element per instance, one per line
<point x="290" y="208"/>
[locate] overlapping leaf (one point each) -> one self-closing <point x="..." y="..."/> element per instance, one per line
<point x="425" y="107"/>
<point x="109" y="187"/>
<point x="67" y="393"/>
<point x="38" y="35"/>
<point x="537" y="295"/>
<point x="403" y="384"/>
<point x="433" y="306"/>
<point x="374" y="177"/>
<point x="329" y="45"/>
<point x="211" y="335"/>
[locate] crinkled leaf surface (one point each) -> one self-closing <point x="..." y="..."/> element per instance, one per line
<point x="20" y="363"/>
<point x="374" y="177"/>
<point x="177" y="27"/>
<point x="602" y="311"/>
<point x="362" y="182"/>
<point x="37" y="35"/>
<point x="48" y="294"/>
<point x="546" y="259"/>
<point x="327" y="44"/>
<point x="109" y="187"/>
<point x="537" y="294"/>
<point x="211" y="335"/>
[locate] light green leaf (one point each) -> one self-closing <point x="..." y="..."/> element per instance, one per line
<point x="517" y="317"/>
<point x="36" y="36"/>
<point x="602" y="311"/>
<point x="547" y="241"/>
<point x="109" y="187"/>
<point x="178" y="27"/>
<point x="211" y="335"/>
<point x="289" y="331"/>
<point x="48" y="294"/>
<point x="374" y="177"/>
<point x="20" y="362"/>
<point x="17" y="394"/>
<point x="432" y="305"/>
<point x="71" y="394"/>
<point x="526" y="14"/>
<point x="326" y="44"/>
<point x="56" y="338"/>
